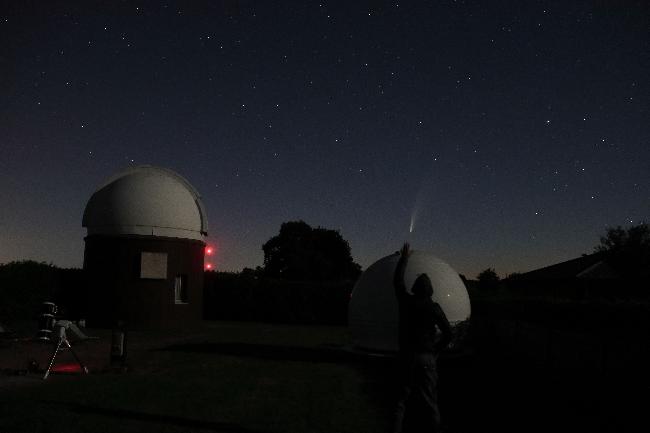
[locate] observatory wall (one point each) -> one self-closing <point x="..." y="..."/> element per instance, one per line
<point x="124" y="285"/>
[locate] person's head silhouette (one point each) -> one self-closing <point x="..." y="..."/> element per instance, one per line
<point x="422" y="287"/>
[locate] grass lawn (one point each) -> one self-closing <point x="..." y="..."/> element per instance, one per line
<point x="237" y="377"/>
<point x="253" y="377"/>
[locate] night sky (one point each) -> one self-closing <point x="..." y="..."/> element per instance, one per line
<point x="510" y="134"/>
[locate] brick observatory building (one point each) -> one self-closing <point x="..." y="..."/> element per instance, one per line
<point x="144" y="250"/>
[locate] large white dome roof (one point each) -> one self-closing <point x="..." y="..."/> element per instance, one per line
<point x="146" y="200"/>
<point x="373" y="314"/>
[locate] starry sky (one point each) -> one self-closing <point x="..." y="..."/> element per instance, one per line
<point x="505" y="134"/>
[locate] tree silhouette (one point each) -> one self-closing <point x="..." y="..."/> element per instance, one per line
<point x="627" y="250"/>
<point x="488" y="279"/>
<point x="300" y="252"/>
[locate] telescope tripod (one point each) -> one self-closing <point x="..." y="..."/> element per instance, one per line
<point x="63" y="341"/>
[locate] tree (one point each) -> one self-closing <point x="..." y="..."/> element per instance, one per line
<point x="488" y="279"/>
<point x="25" y="285"/>
<point x="627" y="250"/>
<point x="300" y="252"/>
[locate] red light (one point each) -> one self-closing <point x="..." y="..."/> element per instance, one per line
<point x="209" y="250"/>
<point x="67" y="368"/>
<point x="208" y="266"/>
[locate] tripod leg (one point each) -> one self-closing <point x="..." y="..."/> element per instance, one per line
<point x="51" y="363"/>
<point x="85" y="369"/>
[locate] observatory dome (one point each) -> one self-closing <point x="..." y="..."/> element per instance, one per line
<point x="146" y="200"/>
<point x="373" y="314"/>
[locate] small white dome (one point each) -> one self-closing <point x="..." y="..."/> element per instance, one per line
<point x="146" y="200"/>
<point x="372" y="314"/>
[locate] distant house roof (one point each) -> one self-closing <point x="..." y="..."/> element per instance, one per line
<point x="591" y="266"/>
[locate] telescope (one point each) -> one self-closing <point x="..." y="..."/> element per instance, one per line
<point x="46" y="320"/>
<point x="51" y="329"/>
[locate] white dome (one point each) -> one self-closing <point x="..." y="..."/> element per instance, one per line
<point x="146" y="200"/>
<point x="373" y="315"/>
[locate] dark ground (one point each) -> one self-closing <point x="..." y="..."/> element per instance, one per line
<point x="247" y="377"/>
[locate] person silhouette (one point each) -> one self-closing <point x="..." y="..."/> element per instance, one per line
<point x="419" y="320"/>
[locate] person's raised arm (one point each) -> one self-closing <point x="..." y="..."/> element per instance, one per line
<point x="398" y="278"/>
